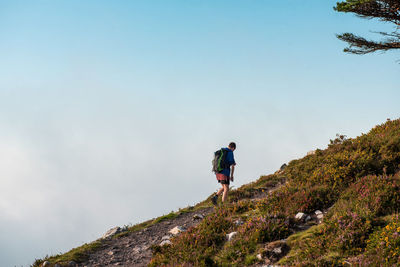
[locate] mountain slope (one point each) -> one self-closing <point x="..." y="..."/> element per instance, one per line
<point x="354" y="182"/>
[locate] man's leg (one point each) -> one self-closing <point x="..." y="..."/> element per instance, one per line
<point x="225" y="187"/>
<point x="220" y="190"/>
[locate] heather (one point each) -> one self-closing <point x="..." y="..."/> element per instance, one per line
<point x="355" y="181"/>
<point x="353" y="184"/>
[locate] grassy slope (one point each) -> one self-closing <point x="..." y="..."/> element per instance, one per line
<point x="357" y="178"/>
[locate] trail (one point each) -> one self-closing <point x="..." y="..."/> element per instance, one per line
<point x="134" y="249"/>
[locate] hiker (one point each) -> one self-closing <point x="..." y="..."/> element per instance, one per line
<point x="226" y="174"/>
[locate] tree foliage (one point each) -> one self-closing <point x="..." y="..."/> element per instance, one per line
<point x="384" y="10"/>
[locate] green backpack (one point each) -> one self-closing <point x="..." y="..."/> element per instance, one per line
<point x="219" y="162"/>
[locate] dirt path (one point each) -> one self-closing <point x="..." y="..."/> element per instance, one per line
<point x="134" y="249"/>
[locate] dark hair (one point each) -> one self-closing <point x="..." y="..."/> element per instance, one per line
<point x="232" y="145"/>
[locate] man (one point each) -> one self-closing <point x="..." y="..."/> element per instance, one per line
<point x="226" y="175"/>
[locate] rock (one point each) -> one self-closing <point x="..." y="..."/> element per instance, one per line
<point x="283" y="167"/>
<point x="238" y="222"/>
<point x="166" y="237"/>
<point x="230" y="236"/>
<point x="165" y="242"/>
<point x="198" y="217"/>
<point x="111" y="232"/>
<point x="320" y="215"/>
<point x="57" y="265"/>
<point x="46" y="264"/>
<point x="275" y="250"/>
<point x="300" y="216"/>
<point x="176" y="230"/>
<point x="259" y="256"/>
<point x="312" y="152"/>
<point x="308" y="218"/>
<point x="317" y="212"/>
<point x="72" y="264"/>
<point x="110" y="253"/>
<point x="136" y="250"/>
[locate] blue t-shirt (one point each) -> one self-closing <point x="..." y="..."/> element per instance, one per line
<point x="230" y="160"/>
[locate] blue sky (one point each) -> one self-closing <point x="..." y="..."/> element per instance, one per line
<point x="110" y="110"/>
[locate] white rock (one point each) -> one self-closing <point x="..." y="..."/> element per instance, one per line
<point x="110" y="253"/>
<point x="165" y="242"/>
<point x="319" y="214"/>
<point x="277" y="251"/>
<point x="176" y="230"/>
<point x="112" y="232"/>
<point x="230" y="236"/>
<point x="166" y="237"/>
<point x="259" y="256"/>
<point x="137" y="249"/>
<point x="312" y="152"/>
<point x="198" y="217"/>
<point x="238" y="222"/>
<point x="46" y="264"/>
<point x="300" y="216"/>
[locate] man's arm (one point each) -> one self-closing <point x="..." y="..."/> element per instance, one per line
<point x="232" y="171"/>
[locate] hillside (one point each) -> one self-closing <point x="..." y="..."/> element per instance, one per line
<point x="349" y="194"/>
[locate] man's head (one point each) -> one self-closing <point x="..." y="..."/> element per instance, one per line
<point x="232" y="146"/>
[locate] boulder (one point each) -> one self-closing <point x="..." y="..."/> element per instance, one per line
<point x="283" y="167"/>
<point x="165" y="242"/>
<point x="275" y="250"/>
<point x="300" y="216"/>
<point x="230" y="236"/>
<point x="312" y="152"/>
<point x="176" y="230"/>
<point x="111" y="232"/>
<point x="166" y="237"/>
<point x="198" y="217"/>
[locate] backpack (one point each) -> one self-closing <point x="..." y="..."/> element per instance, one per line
<point x="219" y="162"/>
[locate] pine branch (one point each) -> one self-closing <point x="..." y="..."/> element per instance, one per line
<point x="384" y="10"/>
<point x="361" y="46"/>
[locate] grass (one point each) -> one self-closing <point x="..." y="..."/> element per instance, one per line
<point x="358" y="180"/>
<point x="80" y="254"/>
<point x="77" y="255"/>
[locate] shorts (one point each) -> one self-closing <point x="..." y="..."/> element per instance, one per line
<point x="223" y="179"/>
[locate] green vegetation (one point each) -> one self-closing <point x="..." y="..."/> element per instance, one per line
<point x="356" y="181"/>
<point x="78" y="254"/>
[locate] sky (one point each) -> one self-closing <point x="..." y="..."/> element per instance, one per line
<point x="110" y="111"/>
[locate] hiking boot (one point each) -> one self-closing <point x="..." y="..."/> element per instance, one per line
<point x="214" y="199"/>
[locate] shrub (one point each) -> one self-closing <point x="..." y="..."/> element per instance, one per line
<point x="198" y="245"/>
<point x="257" y="230"/>
<point x="383" y="246"/>
<point x="373" y="195"/>
<point x="298" y="199"/>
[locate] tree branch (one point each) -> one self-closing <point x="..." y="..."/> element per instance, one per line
<point x="360" y="46"/>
